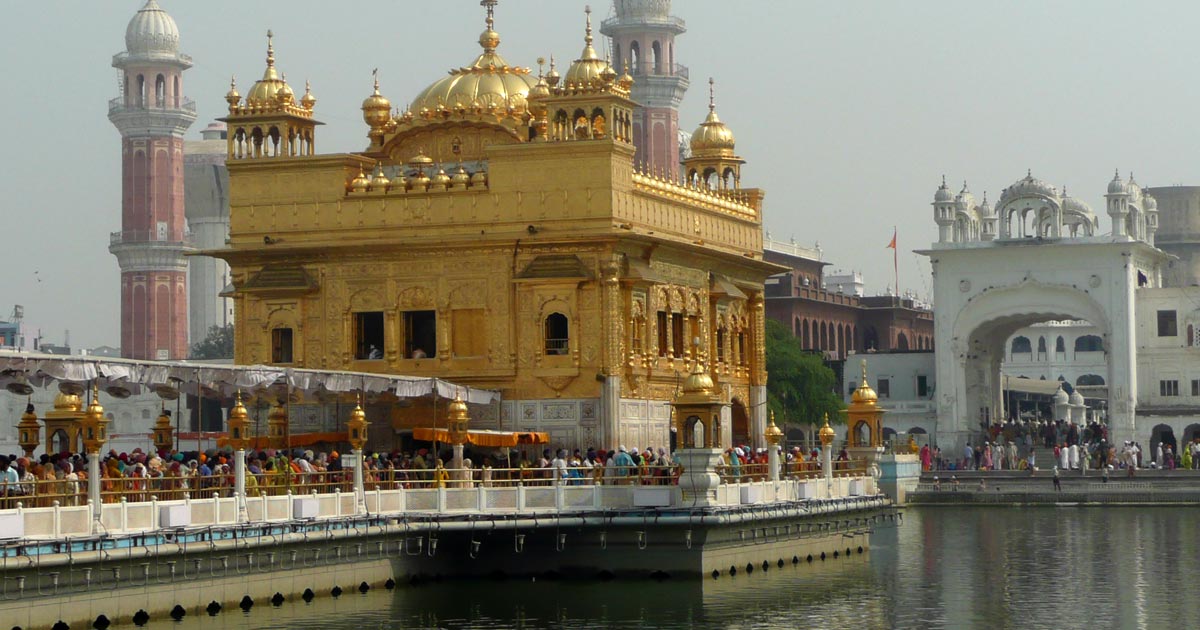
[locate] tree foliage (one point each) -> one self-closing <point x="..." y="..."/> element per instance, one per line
<point x="217" y="345"/>
<point x="800" y="387"/>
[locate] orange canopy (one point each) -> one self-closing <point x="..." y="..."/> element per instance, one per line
<point x="493" y="439"/>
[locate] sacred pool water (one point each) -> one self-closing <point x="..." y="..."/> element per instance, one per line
<point x="1021" y="568"/>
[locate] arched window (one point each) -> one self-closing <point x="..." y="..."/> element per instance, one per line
<point x="1022" y="345"/>
<point x="1060" y="346"/>
<point x="656" y="57"/>
<point x="141" y="90"/>
<point x="618" y="63"/>
<point x="1089" y="343"/>
<point x="160" y="91"/>
<point x="806" y="343"/>
<point x="1041" y="348"/>
<point x="1089" y="380"/>
<point x="176" y="94"/>
<point x="635" y="58"/>
<point x="870" y="339"/>
<point x="557" y="334"/>
<point x="901" y="342"/>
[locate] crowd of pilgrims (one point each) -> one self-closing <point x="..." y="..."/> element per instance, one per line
<point x="138" y="475"/>
<point x="1033" y="444"/>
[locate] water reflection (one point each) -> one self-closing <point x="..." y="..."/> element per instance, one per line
<point x="942" y="568"/>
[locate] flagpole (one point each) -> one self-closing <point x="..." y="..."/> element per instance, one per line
<point x="896" y="259"/>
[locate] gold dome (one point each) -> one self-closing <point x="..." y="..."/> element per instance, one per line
<point x="238" y="413"/>
<point x="360" y="182"/>
<point x="712" y="137"/>
<point x="441" y="179"/>
<point x="458" y="410"/>
<point x="773" y="433"/>
<point x="232" y="96"/>
<point x="380" y="181"/>
<point x="487" y="83"/>
<point x="376" y="108"/>
<point x="267" y="88"/>
<point x="67" y="402"/>
<point x="589" y="69"/>
<point x="420" y="160"/>
<point x="827" y="433"/>
<point x="698" y="382"/>
<point x="308" y="100"/>
<point x="864" y="395"/>
<point x="461" y="178"/>
<point x="625" y="81"/>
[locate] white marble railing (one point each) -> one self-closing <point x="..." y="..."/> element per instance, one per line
<point x="60" y="522"/>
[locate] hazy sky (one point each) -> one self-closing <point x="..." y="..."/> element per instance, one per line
<point x="847" y="112"/>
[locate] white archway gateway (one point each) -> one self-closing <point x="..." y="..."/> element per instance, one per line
<point x="1038" y="257"/>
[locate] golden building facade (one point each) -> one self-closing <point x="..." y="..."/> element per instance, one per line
<point x="498" y="233"/>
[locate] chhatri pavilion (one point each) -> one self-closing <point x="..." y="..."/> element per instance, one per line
<point x="498" y="233"/>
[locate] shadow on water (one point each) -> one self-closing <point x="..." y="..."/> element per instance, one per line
<point x="951" y="568"/>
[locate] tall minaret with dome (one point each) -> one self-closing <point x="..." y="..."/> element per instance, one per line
<point x="152" y="116"/>
<point x="643" y="40"/>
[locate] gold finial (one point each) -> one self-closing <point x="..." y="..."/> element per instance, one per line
<point x="491" y="11"/>
<point x="232" y="82"/>
<point x="375" y="75"/>
<point x="864" y="370"/>
<point x="270" y="49"/>
<point x="712" y="101"/>
<point x="587" y="9"/>
<point x="540" y="61"/>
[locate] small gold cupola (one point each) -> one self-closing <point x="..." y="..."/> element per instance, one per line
<point x="713" y="162"/>
<point x="269" y="122"/>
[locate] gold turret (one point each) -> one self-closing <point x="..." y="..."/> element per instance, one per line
<point x="269" y="122"/>
<point x="713" y="162"/>
<point x="238" y="421"/>
<point x="459" y="420"/>
<point x="357" y="426"/>
<point x="29" y="430"/>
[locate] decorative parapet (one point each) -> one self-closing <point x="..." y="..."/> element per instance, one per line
<point x="731" y="202"/>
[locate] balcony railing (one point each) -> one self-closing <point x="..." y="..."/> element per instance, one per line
<point x="145" y="236"/>
<point x="649" y="68"/>
<point x="118" y="105"/>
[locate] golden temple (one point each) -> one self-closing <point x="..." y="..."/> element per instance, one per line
<point x="498" y="233"/>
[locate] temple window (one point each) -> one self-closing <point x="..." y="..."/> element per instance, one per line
<point x="741" y="348"/>
<point x="556" y="334"/>
<point x="420" y="334"/>
<point x="281" y="345"/>
<point x="720" y="345"/>
<point x="883" y="387"/>
<point x="468" y="332"/>
<point x="368" y="335"/>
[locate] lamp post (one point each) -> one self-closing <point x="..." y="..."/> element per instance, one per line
<point x="95" y="434"/>
<point x="29" y="431"/>
<point x="827" y="435"/>
<point x="357" y="427"/>
<point x="238" y="420"/>
<point x="164" y="436"/>
<point x="458" y="422"/>
<point x="774" y="435"/>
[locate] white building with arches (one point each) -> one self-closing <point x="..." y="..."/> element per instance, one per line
<point x="1037" y="256"/>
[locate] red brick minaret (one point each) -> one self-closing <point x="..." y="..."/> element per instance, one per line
<point x="643" y="38"/>
<point x="152" y="116"/>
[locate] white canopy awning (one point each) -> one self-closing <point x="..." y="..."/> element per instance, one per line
<point x="41" y="369"/>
